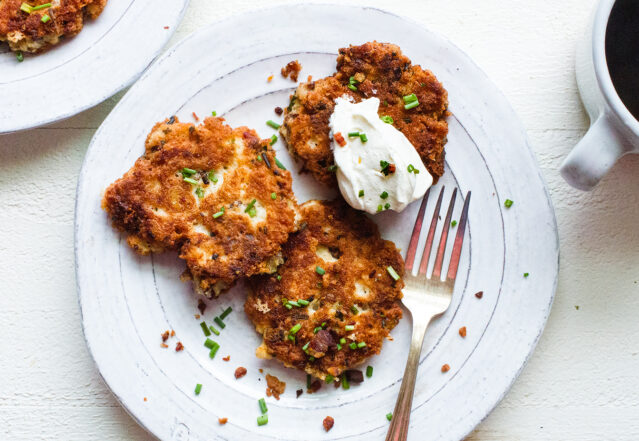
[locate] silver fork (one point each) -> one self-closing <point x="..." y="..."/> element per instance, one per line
<point x="425" y="297"/>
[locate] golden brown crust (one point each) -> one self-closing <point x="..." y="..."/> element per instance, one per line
<point x="27" y="33"/>
<point x="347" y="245"/>
<point x="160" y="210"/>
<point x="383" y="72"/>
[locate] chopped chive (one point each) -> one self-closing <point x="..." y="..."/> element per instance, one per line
<point x="349" y="327"/>
<point x="323" y="325"/>
<point x="262" y="420"/>
<point x="279" y="277"/>
<point x="191" y="181"/>
<point x="295" y="328"/>
<point x="361" y="344"/>
<point x="362" y="137"/>
<point x="19" y="56"/>
<point x="250" y="205"/>
<point x="526" y="274"/>
<point x="384" y="195"/>
<point x="386" y="206"/>
<point x="273" y="196"/>
<point x="291" y="338"/>
<point x="392" y="272"/>
<point x="343" y="340"/>
<point x="303" y="302"/>
<point x="329" y="379"/>
<point x="369" y="371"/>
<point x="411" y="169"/>
<point x="379" y="208"/>
<point x="45" y="18"/>
<point x="305" y="347"/>
<point x="198" y="388"/>
<point x="352" y="87"/>
<point x="293" y="303"/>
<point x="199" y="192"/>
<point x="353" y="134"/>
<point x="252" y="212"/>
<point x="26" y="8"/>
<point x="352" y="80"/>
<point x="259" y="158"/>
<point x="411" y="105"/>
<point x="319" y="270"/>
<point x="453" y="223"/>
<point x="279" y="164"/>
<point x="213" y="350"/>
<point x="387" y="119"/>
<point x="226" y="312"/>
<point x="353" y="345"/>
<point x="273" y="139"/>
<point x="210" y="343"/>
<point x="263" y="407"/>
<point x="354" y="310"/>
<point x="410" y="98"/>
<point x="43" y="6"/>
<point x="288" y="306"/>
<point x="508" y="203"/>
<point x="361" y="193"/>
<point x="332" y="168"/>
<point x="308" y="381"/>
<point x="214" y="113"/>
<point x="311" y="358"/>
<point x="317" y="329"/>
<point x="339" y="347"/>
<point x="219" y="213"/>
<point x="272" y="124"/>
<point x="205" y="329"/>
<point x="345" y="384"/>
<point x="389" y="416"/>
<point x="211" y="175"/>
<point x="214" y="331"/>
<point x="187" y="172"/>
<point x="219" y="322"/>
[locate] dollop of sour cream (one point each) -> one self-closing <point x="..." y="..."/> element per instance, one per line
<point x="363" y="180"/>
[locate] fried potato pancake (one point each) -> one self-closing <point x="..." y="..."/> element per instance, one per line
<point x="342" y="301"/>
<point x="213" y="193"/>
<point x="377" y="70"/>
<point x="27" y="32"/>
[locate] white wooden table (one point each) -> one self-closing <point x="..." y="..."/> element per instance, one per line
<point x="582" y="382"/>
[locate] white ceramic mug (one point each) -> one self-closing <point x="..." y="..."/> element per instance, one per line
<point x="613" y="131"/>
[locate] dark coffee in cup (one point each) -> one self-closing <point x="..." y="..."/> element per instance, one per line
<point x="622" y="52"/>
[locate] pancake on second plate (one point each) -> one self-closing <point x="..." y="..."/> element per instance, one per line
<point x="29" y="30"/>
<point x="334" y="299"/>
<point x="217" y="195"/>
<point x="370" y="70"/>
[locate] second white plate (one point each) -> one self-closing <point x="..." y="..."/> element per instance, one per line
<point x="128" y="300"/>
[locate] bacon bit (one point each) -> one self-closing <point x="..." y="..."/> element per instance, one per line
<point x="309" y="78"/>
<point x="293" y="69"/>
<point x="240" y="372"/>
<point x="197" y="316"/>
<point x="462" y="331"/>
<point x="172" y="333"/>
<point x="270" y="78"/>
<point x="275" y="386"/>
<point x="445" y="368"/>
<point x="299" y="392"/>
<point x="261" y="371"/>
<point x="227" y="358"/>
<point x="315" y="386"/>
<point x="279" y="111"/>
<point x="201" y="305"/>
<point x="164" y="345"/>
<point x="328" y="423"/>
<point x="222" y="421"/>
<point x="340" y="139"/>
<point x="165" y="336"/>
<point x="145" y="399"/>
<point x="479" y="294"/>
<point x="179" y="346"/>
<point x="391" y="168"/>
<point x="195" y="116"/>
<point x="166" y="27"/>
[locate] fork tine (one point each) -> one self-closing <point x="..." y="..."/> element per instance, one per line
<point x="423" y="267"/>
<point x="439" y="260"/>
<point x="414" y="238"/>
<point x="459" y="240"/>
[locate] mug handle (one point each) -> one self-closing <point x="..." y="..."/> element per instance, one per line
<point x="594" y="155"/>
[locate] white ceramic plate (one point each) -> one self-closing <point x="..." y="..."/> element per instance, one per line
<point x="128" y="300"/>
<point x="108" y="55"/>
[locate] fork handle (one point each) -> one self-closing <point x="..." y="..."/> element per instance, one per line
<point x="398" y="430"/>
